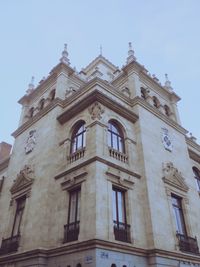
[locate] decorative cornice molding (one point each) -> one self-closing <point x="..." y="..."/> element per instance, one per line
<point x="56" y="102"/>
<point x="192" y="144"/>
<point x="99" y="159"/>
<point x="139" y="101"/>
<point x="97" y="96"/>
<point x="98" y="244"/>
<point x="134" y="66"/>
<point x="194" y="156"/>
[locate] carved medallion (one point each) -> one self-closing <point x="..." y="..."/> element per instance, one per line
<point x="30" y="142"/>
<point x="166" y="139"/>
<point x="96" y="110"/>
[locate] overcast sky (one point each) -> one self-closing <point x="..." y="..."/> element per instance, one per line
<point x="165" y="36"/>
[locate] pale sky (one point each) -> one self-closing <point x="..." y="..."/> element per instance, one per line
<point x="165" y="36"/>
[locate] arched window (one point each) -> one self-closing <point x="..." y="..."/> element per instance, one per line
<point x="156" y="102"/>
<point x="167" y="110"/>
<point x="78" y="137"/>
<point x="78" y="265"/>
<point x="41" y="104"/>
<point x="143" y="93"/>
<point x="197" y="177"/>
<point x="113" y="265"/>
<point x="52" y="94"/>
<point x="31" y="111"/>
<point x="115" y="137"/>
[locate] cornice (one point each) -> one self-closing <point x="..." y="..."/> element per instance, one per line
<point x="134" y="66"/>
<point x="96" y="95"/>
<point x="76" y="246"/>
<point x="39" y="89"/>
<point x="173" y="255"/>
<point x="99" y="159"/>
<point x="194" y="155"/>
<point x="91" y="85"/>
<point x="4" y="164"/>
<point x="38" y="116"/>
<point x="139" y="101"/>
<point x="192" y="144"/>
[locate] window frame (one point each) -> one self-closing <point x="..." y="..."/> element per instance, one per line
<point x="178" y="212"/>
<point x="118" y="144"/>
<point x="20" y="206"/>
<point x="196" y="173"/>
<point x="77" y="137"/>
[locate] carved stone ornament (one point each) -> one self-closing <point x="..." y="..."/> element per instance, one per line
<point x="30" y="142"/>
<point x="96" y="110"/>
<point x="24" y="180"/>
<point x="166" y="139"/>
<point x="173" y="177"/>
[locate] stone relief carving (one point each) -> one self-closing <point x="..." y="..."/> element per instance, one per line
<point x="24" y="179"/>
<point x="173" y="177"/>
<point x="30" y="142"/>
<point x="96" y="110"/>
<point x="69" y="91"/>
<point x="125" y="90"/>
<point x="166" y="140"/>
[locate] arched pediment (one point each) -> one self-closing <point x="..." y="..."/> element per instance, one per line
<point x="23" y="181"/>
<point x="173" y="177"/>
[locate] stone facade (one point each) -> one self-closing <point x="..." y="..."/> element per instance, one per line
<point x="101" y="173"/>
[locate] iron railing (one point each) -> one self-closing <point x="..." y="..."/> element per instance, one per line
<point x="9" y="245"/>
<point x="122" y="231"/>
<point x="188" y="244"/>
<point x="71" y="231"/>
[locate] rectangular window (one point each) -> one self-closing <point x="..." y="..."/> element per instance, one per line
<point x="178" y="215"/>
<point x="72" y="226"/>
<point x="18" y="216"/>
<point x="121" y="228"/>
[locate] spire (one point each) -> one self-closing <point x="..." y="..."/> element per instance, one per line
<point x="168" y="83"/>
<point x="64" y="58"/>
<point x="31" y="85"/>
<point x="100" y="50"/>
<point x="131" y="52"/>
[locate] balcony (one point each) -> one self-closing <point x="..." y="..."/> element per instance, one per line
<point x="122" y="231"/>
<point x="71" y="232"/>
<point x="76" y="155"/>
<point x="9" y="245"/>
<point x="118" y="155"/>
<point x="188" y="244"/>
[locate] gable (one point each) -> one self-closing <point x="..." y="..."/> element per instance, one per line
<point x="173" y="177"/>
<point x="102" y="68"/>
<point x="23" y="181"/>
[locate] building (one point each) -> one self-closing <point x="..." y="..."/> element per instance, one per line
<point x="101" y="173"/>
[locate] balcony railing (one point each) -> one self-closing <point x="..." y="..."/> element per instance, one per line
<point x="76" y="155"/>
<point x="71" y="232"/>
<point x="188" y="244"/>
<point x="118" y="155"/>
<point x="9" y="245"/>
<point x="122" y="231"/>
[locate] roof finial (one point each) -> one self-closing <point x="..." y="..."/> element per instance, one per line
<point x="131" y="56"/>
<point x="31" y="85"/>
<point x="101" y="50"/>
<point x="167" y="83"/>
<point x="64" y="58"/>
